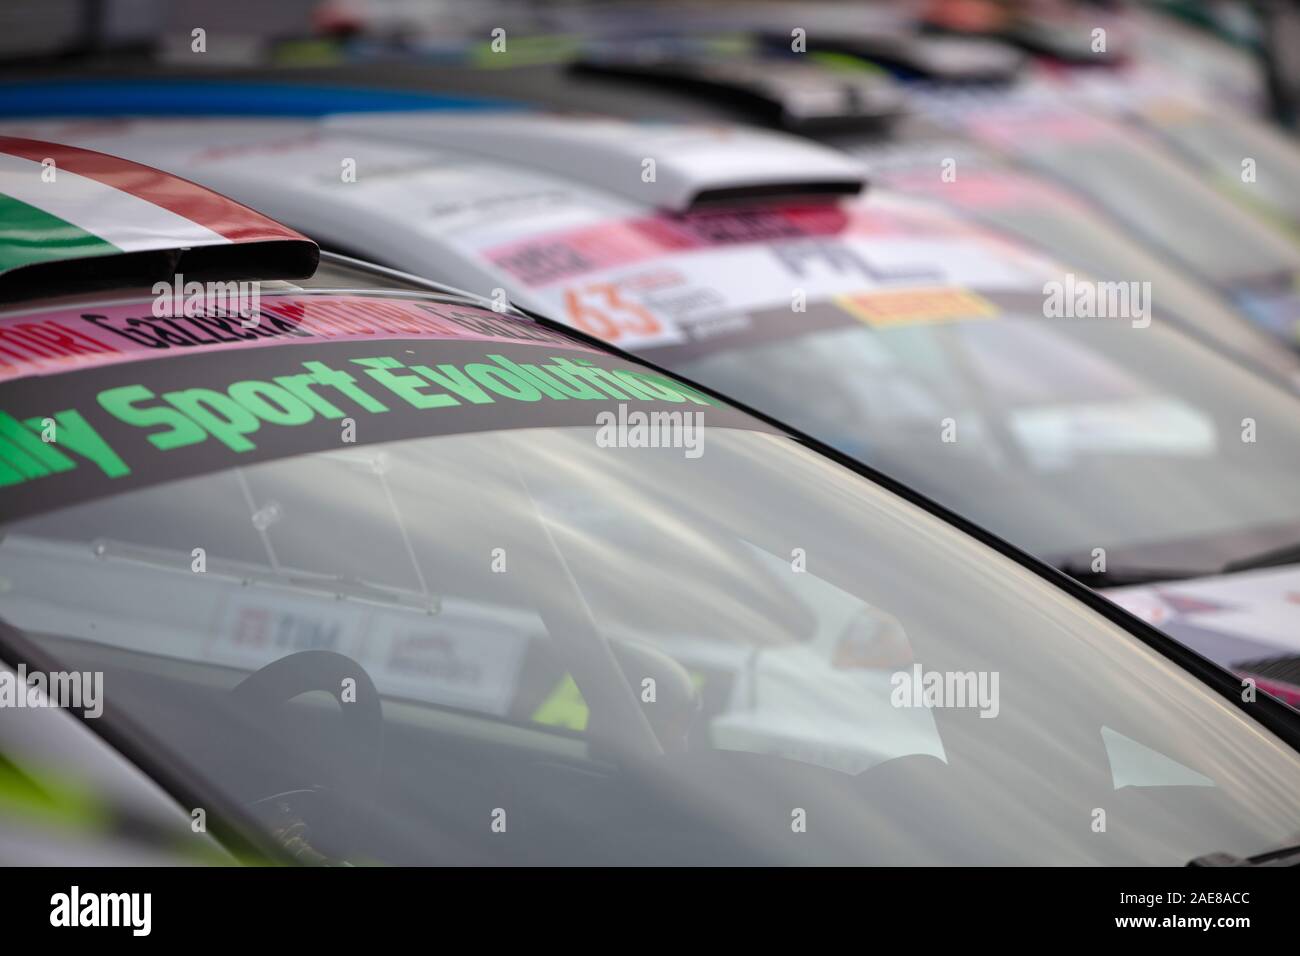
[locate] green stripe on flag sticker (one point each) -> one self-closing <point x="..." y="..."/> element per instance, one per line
<point x="29" y="235"/>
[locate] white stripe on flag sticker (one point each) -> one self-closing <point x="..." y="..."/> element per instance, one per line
<point x="127" y="221"/>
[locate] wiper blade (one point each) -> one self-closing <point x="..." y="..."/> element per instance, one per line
<point x="335" y="585"/>
<point x="1289" y="856"/>
<point x="1275" y="557"/>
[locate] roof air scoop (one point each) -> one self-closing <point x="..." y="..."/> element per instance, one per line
<point x="676" y="167"/>
<point x="73" y="217"/>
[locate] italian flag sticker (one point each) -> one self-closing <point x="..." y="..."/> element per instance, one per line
<point x="59" y="202"/>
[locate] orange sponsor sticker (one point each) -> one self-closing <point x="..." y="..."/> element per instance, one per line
<point x="908" y="306"/>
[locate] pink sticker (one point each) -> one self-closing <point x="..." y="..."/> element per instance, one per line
<point x="551" y="257"/>
<point x="50" y="341"/>
<point x="1015" y="132"/>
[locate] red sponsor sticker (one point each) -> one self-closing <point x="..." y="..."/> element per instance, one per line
<point x="50" y="341"/>
<point x="543" y="259"/>
<point x="548" y="258"/>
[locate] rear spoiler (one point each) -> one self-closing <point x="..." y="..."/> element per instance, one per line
<point x="1067" y="39"/>
<point x="934" y="58"/>
<point x="676" y="167"/>
<point x="785" y="92"/>
<point x="73" y="217"/>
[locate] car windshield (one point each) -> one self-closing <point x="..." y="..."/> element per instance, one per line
<point x="1223" y="142"/>
<point x="1158" y="199"/>
<point x="1049" y="218"/>
<point x="550" y="639"/>
<point x="1061" y="435"/>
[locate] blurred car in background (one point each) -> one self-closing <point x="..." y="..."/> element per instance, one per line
<point x="1132" y="135"/>
<point x="1055" y="123"/>
<point x="1252" y="262"/>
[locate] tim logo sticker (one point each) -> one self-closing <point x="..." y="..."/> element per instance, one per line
<point x="102" y="909"/>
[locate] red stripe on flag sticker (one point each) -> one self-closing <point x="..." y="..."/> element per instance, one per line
<point x="223" y="216"/>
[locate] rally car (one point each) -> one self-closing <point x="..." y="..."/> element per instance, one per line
<point x="1196" y="111"/>
<point x="569" y="607"/>
<point x="1141" y="147"/>
<point x="1118" y="167"/>
<point x="933" y="164"/>
<point x="1254" y="263"/>
<point x="1141" y="160"/>
<point x="1114" y="446"/>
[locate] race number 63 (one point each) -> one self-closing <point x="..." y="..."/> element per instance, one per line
<point x="599" y="309"/>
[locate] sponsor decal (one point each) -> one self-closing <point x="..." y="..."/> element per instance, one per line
<point x="656" y="282"/>
<point x="450" y="657"/>
<point x="37" y="343"/>
<point x="64" y="438"/>
<point x="910" y="306"/>
<point x="253" y="630"/>
<point x="545" y="259"/>
<point x="453" y="663"/>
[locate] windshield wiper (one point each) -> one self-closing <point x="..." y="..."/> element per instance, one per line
<point x="1274" y="557"/>
<point x="339" y="586"/>
<point x="1288" y="856"/>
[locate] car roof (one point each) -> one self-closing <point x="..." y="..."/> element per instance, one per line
<point x="427" y="177"/>
<point x="693" y="163"/>
<point x="94" y="251"/>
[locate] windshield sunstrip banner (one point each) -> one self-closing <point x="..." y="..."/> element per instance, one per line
<point x="58" y="340"/>
<point x="99" y="431"/>
<point x="881" y="310"/>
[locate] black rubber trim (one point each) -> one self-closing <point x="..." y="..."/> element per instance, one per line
<point x="266" y="259"/>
